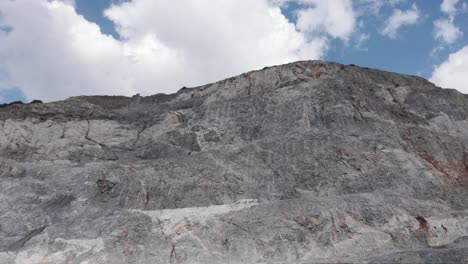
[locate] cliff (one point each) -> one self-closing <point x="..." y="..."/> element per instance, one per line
<point x="300" y="163"/>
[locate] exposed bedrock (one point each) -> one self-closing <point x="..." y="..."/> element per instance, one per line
<point x="300" y="163"/>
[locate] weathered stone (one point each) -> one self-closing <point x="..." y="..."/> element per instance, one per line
<point x="211" y="136"/>
<point x="306" y="162"/>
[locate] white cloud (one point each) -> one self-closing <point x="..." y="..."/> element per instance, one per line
<point x="400" y="18"/>
<point x="453" y="72"/>
<point x="53" y="52"/>
<point x="336" y="17"/>
<point x="448" y="7"/>
<point x="224" y="38"/>
<point x="446" y="31"/>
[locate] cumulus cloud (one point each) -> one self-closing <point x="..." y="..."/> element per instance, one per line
<point x="446" y="31"/>
<point x="335" y="17"/>
<point x="224" y="38"/>
<point x="400" y="18"/>
<point x="53" y="52"/>
<point x="453" y="72"/>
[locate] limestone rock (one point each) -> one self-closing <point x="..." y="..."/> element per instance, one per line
<point x="300" y="163"/>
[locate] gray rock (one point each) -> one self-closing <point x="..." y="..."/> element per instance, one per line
<point x="300" y="163"/>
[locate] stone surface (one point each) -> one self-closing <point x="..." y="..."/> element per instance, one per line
<point x="301" y="163"/>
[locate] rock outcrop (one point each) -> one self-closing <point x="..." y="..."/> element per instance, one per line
<point x="301" y="163"/>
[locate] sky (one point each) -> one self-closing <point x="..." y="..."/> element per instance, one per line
<point x="54" y="49"/>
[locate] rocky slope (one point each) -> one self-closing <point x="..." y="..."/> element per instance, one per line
<point x="300" y="163"/>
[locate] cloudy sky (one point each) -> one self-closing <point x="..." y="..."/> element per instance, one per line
<point x="54" y="49"/>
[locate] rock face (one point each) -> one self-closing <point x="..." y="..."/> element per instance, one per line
<point x="300" y="163"/>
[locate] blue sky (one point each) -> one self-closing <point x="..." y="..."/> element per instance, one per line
<point x="68" y="48"/>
